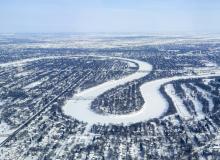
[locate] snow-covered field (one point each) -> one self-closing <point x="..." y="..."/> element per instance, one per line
<point x="180" y="107"/>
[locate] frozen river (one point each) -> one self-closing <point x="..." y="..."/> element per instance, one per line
<point x="80" y="108"/>
<point x="155" y="104"/>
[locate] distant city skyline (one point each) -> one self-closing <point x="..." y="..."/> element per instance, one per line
<point x="148" y="16"/>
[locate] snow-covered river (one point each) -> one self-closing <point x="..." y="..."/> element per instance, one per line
<point x="80" y="108"/>
<point x="155" y="104"/>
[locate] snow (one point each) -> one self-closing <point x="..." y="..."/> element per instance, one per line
<point x="206" y="95"/>
<point x="196" y="102"/>
<point x="18" y="63"/>
<point x="23" y="74"/>
<point x="131" y="64"/>
<point x="4" y="131"/>
<point x="31" y="158"/>
<point x="34" y="84"/>
<point x="207" y="81"/>
<point x="209" y="64"/>
<point x="155" y="104"/>
<point x="178" y="102"/>
<point x="1" y="103"/>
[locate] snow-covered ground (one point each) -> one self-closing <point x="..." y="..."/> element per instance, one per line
<point x="34" y="84"/>
<point x="206" y="81"/>
<point x="19" y="63"/>
<point x="23" y="73"/>
<point x="130" y="64"/>
<point x="198" y="105"/>
<point x="206" y="95"/>
<point x="178" y="102"/>
<point x="209" y="64"/>
<point x="4" y="131"/>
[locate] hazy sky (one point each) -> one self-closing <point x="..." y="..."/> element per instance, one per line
<point x="151" y="16"/>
